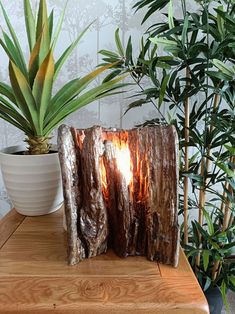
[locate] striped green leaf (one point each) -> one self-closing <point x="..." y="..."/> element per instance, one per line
<point x="43" y="30"/>
<point x="42" y="87"/>
<point x="71" y="90"/>
<point x="185" y="30"/>
<point x="224" y="68"/>
<point x="14" y="37"/>
<point x="226" y="169"/>
<point x="68" y="51"/>
<point x="170" y="15"/>
<point x="209" y="222"/>
<point x="10" y="120"/>
<point x="220" y="22"/>
<point x="24" y="96"/>
<point x="163" y="89"/>
<point x="59" y="26"/>
<point x="109" y="54"/>
<point x="7" y="108"/>
<point x="118" y="43"/>
<point x="28" y="104"/>
<point x="223" y="290"/>
<point x="232" y="280"/>
<point x="7" y="91"/>
<point x="51" y="23"/>
<point x="163" y="41"/>
<point x="30" y="24"/>
<point x="86" y="98"/>
<point x="34" y="61"/>
<point x="205" y="259"/>
<point x="12" y="52"/>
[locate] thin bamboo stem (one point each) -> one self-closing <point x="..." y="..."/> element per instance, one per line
<point x="215" y="106"/>
<point x="202" y="194"/>
<point x="202" y="197"/>
<point x="205" y="165"/>
<point x="222" y="207"/>
<point x="227" y="211"/>
<point x="228" y="218"/>
<point x="186" y="159"/>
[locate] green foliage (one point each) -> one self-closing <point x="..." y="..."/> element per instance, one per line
<point x="28" y="103"/>
<point x="192" y="58"/>
<point x="214" y="246"/>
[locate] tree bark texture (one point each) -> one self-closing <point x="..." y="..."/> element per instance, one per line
<point x="103" y="209"/>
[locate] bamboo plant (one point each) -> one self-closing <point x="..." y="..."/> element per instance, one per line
<point x="189" y="63"/>
<point x="28" y="102"/>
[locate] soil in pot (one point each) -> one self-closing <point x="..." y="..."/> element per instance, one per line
<point x="24" y="152"/>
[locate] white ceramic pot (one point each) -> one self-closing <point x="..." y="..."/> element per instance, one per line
<point x="33" y="182"/>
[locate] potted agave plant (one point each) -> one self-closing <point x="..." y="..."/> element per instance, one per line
<point x="32" y="175"/>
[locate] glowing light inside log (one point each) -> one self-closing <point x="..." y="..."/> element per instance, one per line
<point x="123" y="164"/>
<point x="123" y="160"/>
<point x="103" y="176"/>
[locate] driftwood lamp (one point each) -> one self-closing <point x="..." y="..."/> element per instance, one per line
<point x="121" y="191"/>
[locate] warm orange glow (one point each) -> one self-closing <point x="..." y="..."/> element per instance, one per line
<point x="124" y="162"/>
<point x="103" y="176"/>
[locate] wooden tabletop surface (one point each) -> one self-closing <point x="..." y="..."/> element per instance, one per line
<point x="34" y="276"/>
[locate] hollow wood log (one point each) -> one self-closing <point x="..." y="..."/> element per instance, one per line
<point x="139" y="217"/>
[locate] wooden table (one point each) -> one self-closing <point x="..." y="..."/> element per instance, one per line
<point x="34" y="276"/>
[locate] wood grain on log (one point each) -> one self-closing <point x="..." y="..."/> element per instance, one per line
<point x="135" y="218"/>
<point x="69" y="161"/>
<point x="93" y="213"/>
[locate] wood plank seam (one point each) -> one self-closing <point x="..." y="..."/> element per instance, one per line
<point x="13" y="231"/>
<point x="34" y="277"/>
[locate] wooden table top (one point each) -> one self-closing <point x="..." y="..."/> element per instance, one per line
<point x="34" y="276"/>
